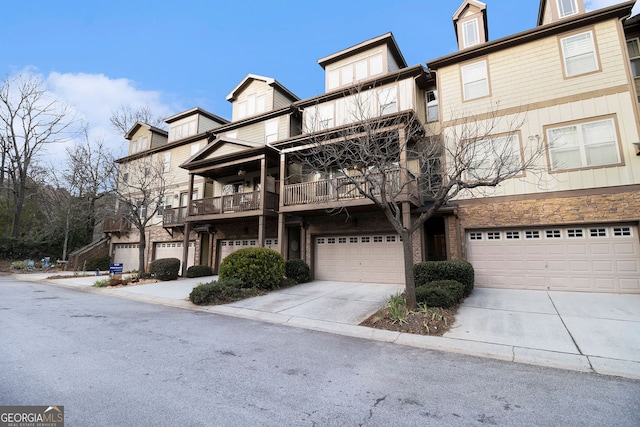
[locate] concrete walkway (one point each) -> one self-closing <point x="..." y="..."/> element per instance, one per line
<point x="579" y="331"/>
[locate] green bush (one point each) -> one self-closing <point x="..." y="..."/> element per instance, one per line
<point x="297" y="270"/>
<point x="19" y="265"/>
<point x="199" y="271"/>
<point x="256" y="267"/>
<point x="434" y="297"/>
<point x="431" y="271"/>
<point x="455" y="288"/>
<point x="99" y="263"/>
<point x="165" y="268"/>
<point x="216" y="292"/>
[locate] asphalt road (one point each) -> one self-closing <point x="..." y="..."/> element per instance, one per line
<point x="116" y="362"/>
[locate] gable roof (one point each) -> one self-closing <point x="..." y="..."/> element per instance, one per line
<point x="463" y="7"/>
<point x="385" y="39"/>
<point x="138" y="125"/>
<point x="197" y="110"/>
<point x="268" y="80"/>
<point x="217" y="144"/>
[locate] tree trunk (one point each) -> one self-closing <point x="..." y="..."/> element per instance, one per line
<point x="17" y="214"/>
<point x="410" y="282"/>
<point x="141" y="248"/>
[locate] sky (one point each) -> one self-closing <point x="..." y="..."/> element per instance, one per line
<point x="173" y="56"/>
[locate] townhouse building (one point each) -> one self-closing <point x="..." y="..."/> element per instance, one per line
<point x="571" y="222"/>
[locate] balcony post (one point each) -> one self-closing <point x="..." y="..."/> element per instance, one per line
<point x="263" y="199"/>
<point x="185" y="247"/>
<point x="190" y="196"/>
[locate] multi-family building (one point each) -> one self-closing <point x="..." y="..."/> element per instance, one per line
<point x="568" y="222"/>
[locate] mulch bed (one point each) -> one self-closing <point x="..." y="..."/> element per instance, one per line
<point x="435" y="323"/>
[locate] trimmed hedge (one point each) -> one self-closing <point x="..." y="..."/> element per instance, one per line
<point x="434" y="297"/>
<point x="256" y="267"/>
<point x="455" y="288"/>
<point x="297" y="270"/>
<point x="219" y="291"/>
<point x="199" y="271"/>
<point x="165" y="268"/>
<point x="430" y="271"/>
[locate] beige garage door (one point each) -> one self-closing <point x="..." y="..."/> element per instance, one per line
<point x="372" y="258"/>
<point x="602" y="258"/>
<point x="229" y="246"/>
<point x="127" y="255"/>
<point x="174" y="250"/>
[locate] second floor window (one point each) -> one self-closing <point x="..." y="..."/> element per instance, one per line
<point x="496" y="155"/>
<point x="271" y="131"/>
<point x="633" y="46"/>
<point x="579" y="54"/>
<point x="583" y="145"/>
<point x="475" y="80"/>
<point x="432" y="105"/>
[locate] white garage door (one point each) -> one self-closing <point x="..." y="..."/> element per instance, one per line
<point x="174" y="250"/>
<point x="602" y="258"/>
<point x="229" y="246"/>
<point x="127" y="255"/>
<point x="372" y="258"/>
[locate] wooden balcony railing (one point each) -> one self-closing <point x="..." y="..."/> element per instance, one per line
<point x="115" y="224"/>
<point x="230" y="203"/>
<point x="174" y="216"/>
<point x="341" y="189"/>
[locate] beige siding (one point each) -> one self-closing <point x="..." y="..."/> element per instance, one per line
<point x="259" y="88"/>
<point x="205" y="124"/>
<point x="280" y="100"/>
<point x="157" y="140"/>
<point x="252" y="133"/>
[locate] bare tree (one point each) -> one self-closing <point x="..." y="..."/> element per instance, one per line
<point x="140" y="192"/>
<point x="393" y="160"/>
<point x="30" y="117"/>
<point x="125" y="117"/>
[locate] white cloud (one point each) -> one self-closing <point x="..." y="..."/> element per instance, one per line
<point x="599" y="4"/>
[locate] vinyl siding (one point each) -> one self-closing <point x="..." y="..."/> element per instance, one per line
<point x="259" y="88"/>
<point x="205" y="124"/>
<point x="280" y="100"/>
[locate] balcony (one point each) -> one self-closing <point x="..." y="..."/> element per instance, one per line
<point x="234" y="203"/>
<point x="115" y="224"/>
<point x="174" y="217"/>
<point x="344" y="189"/>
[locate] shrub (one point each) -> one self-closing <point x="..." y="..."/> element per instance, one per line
<point x="287" y="282"/>
<point x="297" y="270"/>
<point x="101" y="283"/>
<point x="430" y="271"/>
<point x="434" y="297"/>
<point x="256" y="267"/>
<point x="145" y="275"/>
<point x="99" y="263"/>
<point x="455" y="288"/>
<point x="165" y="268"/>
<point x="19" y="265"/>
<point x="220" y="291"/>
<point x="199" y="271"/>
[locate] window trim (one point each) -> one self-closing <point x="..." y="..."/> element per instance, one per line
<point x="487" y="78"/>
<point x="596" y="53"/>
<point x="575" y="11"/>
<point x="611" y="117"/>
<point x="476" y="28"/>
<point x="634" y="58"/>
<point x="516" y="134"/>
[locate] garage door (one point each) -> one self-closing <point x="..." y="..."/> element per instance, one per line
<point x="372" y="258"/>
<point x="174" y="250"/>
<point x="602" y="258"/>
<point x="127" y="255"/>
<point x="229" y="246"/>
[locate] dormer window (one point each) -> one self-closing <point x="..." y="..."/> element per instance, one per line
<point x="470" y="33"/>
<point x="254" y="104"/>
<point x="139" y="144"/>
<point x="182" y="130"/>
<point x="351" y="73"/>
<point x="567" y="8"/>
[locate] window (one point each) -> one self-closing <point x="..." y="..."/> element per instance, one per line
<point x="583" y="145"/>
<point x="342" y="240"/>
<point x="567" y="8"/>
<point x="319" y="118"/>
<point x="579" y="54"/>
<point x="553" y="234"/>
<point x="391" y="239"/>
<point x="331" y="240"/>
<point x="621" y="231"/>
<point x="475" y="236"/>
<point x="377" y="239"/>
<point x="432" y="105"/>
<point x="513" y="235"/>
<point x="179" y="131"/>
<point x="470" y="35"/>
<point x="166" y="162"/>
<point x="254" y="104"/>
<point x="575" y="233"/>
<point x="388" y="100"/>
<point x="475" y="81"/>
<point x="489" y="157"/>
<point x="633" y="46"/>
<point x="271" y="130"/>
<point x="598" y="232"/>
<point x="139" y="144"/>
<point x="351" y="73"/>
<point x="532" y="234"/>
<point x="493" y="235"/>
<point x="366" y="239"/>
<point x="353" y="240"/>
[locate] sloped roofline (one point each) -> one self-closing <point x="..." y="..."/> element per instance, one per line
<point x="269" y="80"/>
<point x="479" y="4"/>
<point x="197" y="110"/>
<point x="620" y="11"/>
<point x="387" y="39"/>
<point x="139" y="124"/>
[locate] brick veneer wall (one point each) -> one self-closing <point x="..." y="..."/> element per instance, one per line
<point x="619" y="205"/>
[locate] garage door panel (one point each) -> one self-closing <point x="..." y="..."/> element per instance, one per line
<point x="359" y="258"/>
<point x="603" y="258"/>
